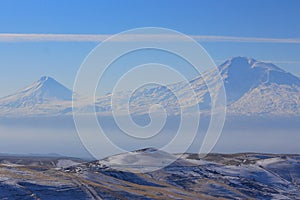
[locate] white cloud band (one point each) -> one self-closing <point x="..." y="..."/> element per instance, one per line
<point x="15" y="37"/>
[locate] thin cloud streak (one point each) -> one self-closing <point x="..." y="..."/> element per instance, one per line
<point x="283" y="62"/>
<point x="14" y="37"/>
<point x="245" y="39"/>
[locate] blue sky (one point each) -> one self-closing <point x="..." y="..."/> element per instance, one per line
<point x="22" y="62"/>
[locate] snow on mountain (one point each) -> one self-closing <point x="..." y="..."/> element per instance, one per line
<point x="46" y="89"/>
<point x="45" y="96"/>
<point x="272" y="99"/>
<point x="225" y="176"/>
<point x="149" y="158"/>
<point x="255" y="87"/>
<point x="252" y="88"/>
<point x="216" y="176"/>
<point x="242" y="74"/>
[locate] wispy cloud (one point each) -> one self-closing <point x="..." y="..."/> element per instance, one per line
<point x="13" y="37"/>
<point x="207" y="38"/>
<point x="283" y="61"/>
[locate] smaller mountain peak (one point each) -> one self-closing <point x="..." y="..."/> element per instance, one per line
<point x="48" y="88"/>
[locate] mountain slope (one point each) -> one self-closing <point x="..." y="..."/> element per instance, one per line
<point x="274" y="99"/>
<point x="230" y="176"/>
<point x="255" y="87"/>
<point x="45" y="96"/>
<point x="216" y="176"/>
<point x="252" y="88"/>
<point x="242" y="74"/>
<point x="44" y="90"/>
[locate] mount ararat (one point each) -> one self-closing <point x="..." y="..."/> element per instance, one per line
<point x="252" y="88"/>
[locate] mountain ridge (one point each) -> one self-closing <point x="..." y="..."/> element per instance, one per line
<point x="216" y="176"/>
<point x="44" y="89"/>
<point x="252" y="87"/>
<point x="45" y="96"/>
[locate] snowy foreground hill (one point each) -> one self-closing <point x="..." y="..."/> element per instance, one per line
<point x="252" y="88"/>
<point x="217" y="176"/>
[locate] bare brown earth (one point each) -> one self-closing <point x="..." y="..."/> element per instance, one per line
<point x="217" y="176"/>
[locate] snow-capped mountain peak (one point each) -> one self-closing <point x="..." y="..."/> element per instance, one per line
<point x="241" y="75"/>
<point x="252" y="87"/>
<point x="45" y="90"/>
<point x="51" y="89"/>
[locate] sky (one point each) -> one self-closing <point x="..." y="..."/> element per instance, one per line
<point x="53" y="37"/>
